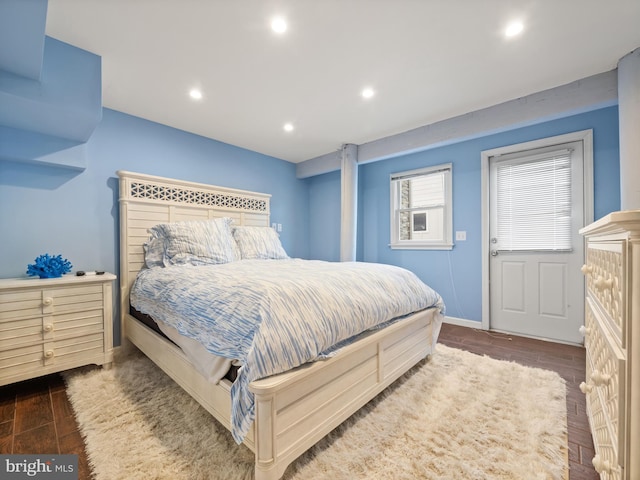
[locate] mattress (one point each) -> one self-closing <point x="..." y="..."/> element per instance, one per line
<point x="212" y="367"/>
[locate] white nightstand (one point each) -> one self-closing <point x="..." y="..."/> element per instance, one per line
<point x="53" y="324"/>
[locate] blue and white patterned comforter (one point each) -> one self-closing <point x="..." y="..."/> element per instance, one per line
<point x="274" y="315"/>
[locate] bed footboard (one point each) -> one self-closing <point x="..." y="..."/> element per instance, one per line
<point x="296" y="409"/>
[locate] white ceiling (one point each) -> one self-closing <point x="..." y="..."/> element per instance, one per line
<point x="427" y="60"/>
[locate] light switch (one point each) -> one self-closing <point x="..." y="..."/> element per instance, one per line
<point x="279" y="229"/>
<point x="461" y="236"/>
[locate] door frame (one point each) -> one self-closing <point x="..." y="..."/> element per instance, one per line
<point x="586" y="136"/>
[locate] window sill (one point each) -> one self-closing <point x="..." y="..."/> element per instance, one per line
<point x="421" y="246"/>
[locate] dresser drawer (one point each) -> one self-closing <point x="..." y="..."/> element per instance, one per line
<point x="612" y="341"/>
<point x="605" y="279"/>
<point x="604" y="389"/>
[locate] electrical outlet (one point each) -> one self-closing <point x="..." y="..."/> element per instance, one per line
<point x="461" y="236"/>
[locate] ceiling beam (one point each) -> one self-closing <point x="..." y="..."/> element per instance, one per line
<point x="591" y="93"/>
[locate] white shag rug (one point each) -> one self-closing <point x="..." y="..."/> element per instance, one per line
<point x="457" y="416"/>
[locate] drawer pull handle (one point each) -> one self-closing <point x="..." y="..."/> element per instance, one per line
<point x="586" y="387"/>
<point x="601" y="283"/>
<point x="586" y="269"/>
<point x="48" y="327"/>
<point x="600" y="378"/>
<point x="584" y="331"/>
<point x="603" y="466"/>
<point x="49" y="354"/>
<point x="47" y="301"/>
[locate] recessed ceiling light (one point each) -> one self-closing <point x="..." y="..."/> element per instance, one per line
<point x="288" y="127"/>
<point x="195" y="94"/>
<point x="368" y="92"/>
<point x="279" y="25"/>
<point x="514" y="29"/>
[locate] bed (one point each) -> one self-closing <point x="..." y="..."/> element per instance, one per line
<point x="292" y="410"/>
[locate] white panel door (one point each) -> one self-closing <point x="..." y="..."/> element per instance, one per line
<point x="537" y="292"/>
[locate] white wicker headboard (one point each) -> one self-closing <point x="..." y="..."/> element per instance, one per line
<point x="147" y="200"/>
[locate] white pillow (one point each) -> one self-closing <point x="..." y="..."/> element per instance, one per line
<point x="259" y="242"/>
<point x="196" y="242"/>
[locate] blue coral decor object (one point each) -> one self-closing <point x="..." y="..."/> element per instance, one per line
<point x="48" y="266"/>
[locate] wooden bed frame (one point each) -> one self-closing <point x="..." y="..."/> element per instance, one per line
<point x="295" y="409"/>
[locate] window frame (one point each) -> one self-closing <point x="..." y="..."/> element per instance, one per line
<point x="444" y="243"/>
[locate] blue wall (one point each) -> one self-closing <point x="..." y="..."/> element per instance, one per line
<point x="75" y="213"/>
<point x="324" y="214"/>
<point x="456" y="274"/>
<point x="40" y="118"/>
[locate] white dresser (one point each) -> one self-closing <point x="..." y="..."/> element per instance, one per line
<point x="49" y="325"/>
<point x="612" y="342"/>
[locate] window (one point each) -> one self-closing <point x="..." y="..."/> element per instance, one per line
<point x="421" y="209"/>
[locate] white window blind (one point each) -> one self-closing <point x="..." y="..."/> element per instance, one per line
<point x="534" y="203"/>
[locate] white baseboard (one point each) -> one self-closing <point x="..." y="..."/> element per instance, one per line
<point x="478" y="326"/>
<point x="463" y="322"/>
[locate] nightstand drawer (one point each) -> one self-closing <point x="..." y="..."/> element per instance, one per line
<point x="70" y="352"/>
<point x="18" y="360"/>
<point x="71" y="299"/>
<point x="20" y="332"/>
<point x="73" y="349"/>
<point x="15" y="305"/>
<point x="77" y="323"/>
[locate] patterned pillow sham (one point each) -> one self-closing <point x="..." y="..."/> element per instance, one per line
<point x="153" y="252"/>
<point x="196" y="242"/>
<point x="259" y="243"/>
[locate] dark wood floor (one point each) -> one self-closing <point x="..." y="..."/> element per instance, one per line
<point x="36" y="417"/>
